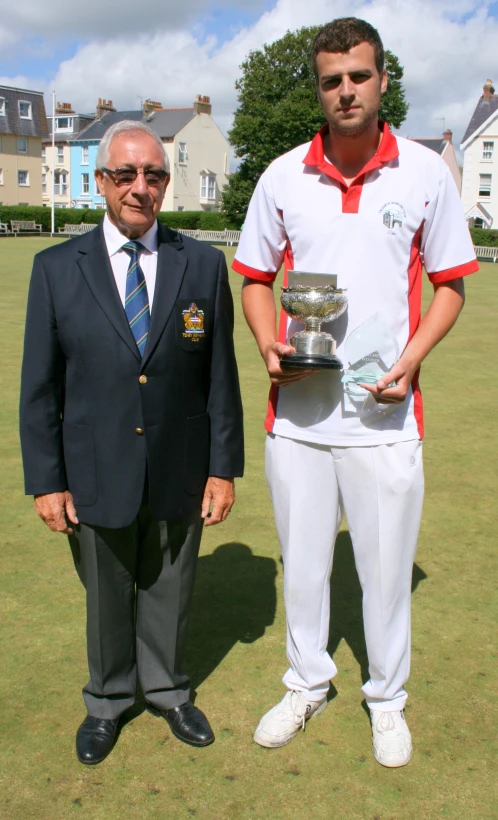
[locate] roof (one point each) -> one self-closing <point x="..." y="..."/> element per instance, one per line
<point x="484" y="110"/>
<point x="166" y="122"/>
<point x="12" y="123"/>
<point x="436" y="144"/>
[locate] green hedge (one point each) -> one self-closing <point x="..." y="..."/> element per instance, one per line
<point x="484" y="237"/>
<point x="206" y="221"/>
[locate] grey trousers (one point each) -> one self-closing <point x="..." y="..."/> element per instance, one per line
<point x="138" y="582"/>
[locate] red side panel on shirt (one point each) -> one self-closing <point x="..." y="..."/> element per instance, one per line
<point x="351" y="194"/>
<point x="282" y="337"/>
<point x="415" y="313"/>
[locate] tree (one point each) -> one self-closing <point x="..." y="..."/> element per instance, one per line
<point x="278" y="109"/>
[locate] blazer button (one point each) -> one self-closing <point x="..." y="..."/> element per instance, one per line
<point x="142" y="379"/>
<point x="139" y="431"/>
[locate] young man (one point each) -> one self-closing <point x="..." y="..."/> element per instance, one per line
<point x="369" y="207"/>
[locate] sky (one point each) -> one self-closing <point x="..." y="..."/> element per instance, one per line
<point x="170" y="51"/>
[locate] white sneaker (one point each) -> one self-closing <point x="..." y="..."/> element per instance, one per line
<point x="392" y="741"/>
<point x="283" y="722"/>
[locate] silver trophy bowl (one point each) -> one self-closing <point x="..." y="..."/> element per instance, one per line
<point x="313" y="305"/>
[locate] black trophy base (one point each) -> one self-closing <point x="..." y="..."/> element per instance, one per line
<point x="304" y="361"/>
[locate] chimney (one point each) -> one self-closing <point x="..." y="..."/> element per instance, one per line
<point x="103" y="106"/>
<point x="202" y="105"/>
<point x="448" y="135"/>
<point x="149" y="106"/>
<point x="64" y="108"/>
<point x="488" y="90"/>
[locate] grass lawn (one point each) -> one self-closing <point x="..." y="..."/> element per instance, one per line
<point x="236" y="651"/>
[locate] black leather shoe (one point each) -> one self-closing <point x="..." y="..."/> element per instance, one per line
<point x="95" y="739"/>
<point x="187" y="723"/>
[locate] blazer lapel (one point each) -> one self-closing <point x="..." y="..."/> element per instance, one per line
<point x="171" y="266"/>
<point x="96" y="268"/>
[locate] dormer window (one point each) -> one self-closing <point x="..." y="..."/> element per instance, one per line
<point x="2" y="106"/>
<point x="64" y="124"/>
<point x="25" y="110"/>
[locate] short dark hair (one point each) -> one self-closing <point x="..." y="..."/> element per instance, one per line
<point x="343" y="34"/>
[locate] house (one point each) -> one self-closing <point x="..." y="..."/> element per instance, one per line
<point x="57" y="160"/>
<point x="23" y="125"/>
<point x="480" y="162"/>
<point x="198" y="152"/>
<point x="444" y="147"/>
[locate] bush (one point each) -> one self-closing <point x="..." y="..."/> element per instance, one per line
<point x="212" y="221"/>
<point x="206" y="221"/>
<point x="180" y="219"/>
<point x="484" y="237"/>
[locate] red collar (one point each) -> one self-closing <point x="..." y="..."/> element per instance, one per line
<point x="388" y="150"/>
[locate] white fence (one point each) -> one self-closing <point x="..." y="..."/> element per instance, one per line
<point x="225" y="237"/>
<point x="488" y="253"/>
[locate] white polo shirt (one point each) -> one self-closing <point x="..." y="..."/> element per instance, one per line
<point x="401" y="212"/>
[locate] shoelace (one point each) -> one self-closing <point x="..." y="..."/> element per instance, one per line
<point x="298" y="707"/>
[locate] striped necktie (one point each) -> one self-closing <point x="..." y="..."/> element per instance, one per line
<point x="136" y="299"/>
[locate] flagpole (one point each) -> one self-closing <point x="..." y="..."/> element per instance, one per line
<point x="53" y="163"/>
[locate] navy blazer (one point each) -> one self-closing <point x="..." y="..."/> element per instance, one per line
<point x="95" y="417"/>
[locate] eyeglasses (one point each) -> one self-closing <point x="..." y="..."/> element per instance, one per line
<point x="127" y="176"/>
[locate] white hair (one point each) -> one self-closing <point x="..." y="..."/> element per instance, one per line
<point x="124" y="126"/>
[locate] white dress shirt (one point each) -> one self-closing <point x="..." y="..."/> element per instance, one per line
<point x="120" y="260"/>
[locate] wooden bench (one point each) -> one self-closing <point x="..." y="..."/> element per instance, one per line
<point x="26" y="226"/>
<point x="77" y="230"/>
<point x="490" y="253"/>
<point x="4" y="228"/>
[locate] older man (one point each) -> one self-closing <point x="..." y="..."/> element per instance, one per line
<point x="131" y="430"/>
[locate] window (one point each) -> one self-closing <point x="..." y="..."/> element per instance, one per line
<point x="60" y="154"/>
<point x="85" y="183"/>
<point x="23" y="178"/>
<point x="22" y="145"/>
<point x="182" y="153"/>
<point x="485" y="185"/>
<point x="44" y="154"/>
<point x="84" y="155"/>
<point x="44" y="183"/>
<point x="24" y="110"/>
<point x="487" y="151"/>
<point x="2" y="106"/>
<point x="60" y="181"/>
<point x="1" y="176"/>
<point x="64" y="124"/>
<point x="208" y="186"/>
<point x="181" y="207"/>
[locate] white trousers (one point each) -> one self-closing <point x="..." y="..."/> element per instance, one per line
<point x="380" y="489"/>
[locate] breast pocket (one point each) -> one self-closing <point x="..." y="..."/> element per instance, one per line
<point x="192" y="324"/>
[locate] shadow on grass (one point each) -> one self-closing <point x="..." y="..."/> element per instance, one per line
<point x="234" y="600"/>
<point x="346" y="617"/>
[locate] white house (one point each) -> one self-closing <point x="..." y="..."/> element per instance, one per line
<point x="480" y="162"/>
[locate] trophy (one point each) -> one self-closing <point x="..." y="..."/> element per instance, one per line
<point x="312" y="298"/>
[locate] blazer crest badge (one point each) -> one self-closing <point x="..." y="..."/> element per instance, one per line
<point x="193" y="319"/>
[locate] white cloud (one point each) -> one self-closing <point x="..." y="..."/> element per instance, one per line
<point x="447" y="48"/>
